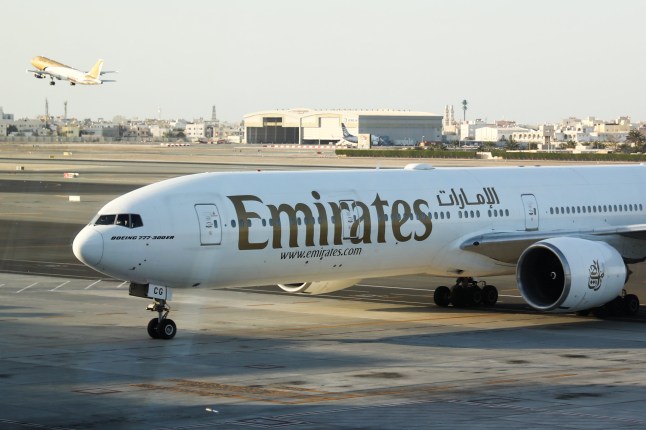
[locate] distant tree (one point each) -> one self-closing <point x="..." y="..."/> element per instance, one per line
<point x="636" y="138"/>
<point x="626" y="148"/>
<point x="487" y="147"/>
<point x="511" y="144"/>
<point x="570" y="144"/>
<point x="12" y="129"/>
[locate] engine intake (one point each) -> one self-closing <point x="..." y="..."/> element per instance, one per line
<point x="570" y="274"/>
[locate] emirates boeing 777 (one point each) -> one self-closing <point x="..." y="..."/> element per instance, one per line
<point x="568" y="233"/>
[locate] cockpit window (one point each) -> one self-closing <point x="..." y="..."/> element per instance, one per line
<point x="125" y="220"/>
<point x="135" y="221"/>
<point x="105" y="220"/>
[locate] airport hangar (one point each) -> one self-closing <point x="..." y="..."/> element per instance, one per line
<point x="318" y="127"/>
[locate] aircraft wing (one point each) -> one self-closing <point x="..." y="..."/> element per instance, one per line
<point x="109" y="71"/>
<point x="44" y="72"/>
<point x="507" y="246"/>
<point x="107" y="80"/>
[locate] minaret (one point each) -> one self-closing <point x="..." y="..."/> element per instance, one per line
<point x="65" y="107"/>
<point x="46" y="108"/>
<point x="214" y="117"/>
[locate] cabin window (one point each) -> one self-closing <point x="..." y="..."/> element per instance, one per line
<point x="233" y="223"/>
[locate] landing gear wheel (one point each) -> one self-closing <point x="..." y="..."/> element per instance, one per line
<point x="476" y="295"/>
<point x="631" y="304"/>
<point x="152" y="328"/>
<point x="489" y="295"/>
<point x="442" y="296"/>
<point x="167" y="329"/>
<point x="161" y="327"/>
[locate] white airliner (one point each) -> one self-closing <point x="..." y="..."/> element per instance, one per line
<point x="567" y="232"/>
<point x="351" y="138"/>
<point x="46" y="68"/>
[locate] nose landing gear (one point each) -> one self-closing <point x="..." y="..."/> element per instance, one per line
<point x="160" y="327"/>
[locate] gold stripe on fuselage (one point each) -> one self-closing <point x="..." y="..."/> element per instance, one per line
<point x="41" y="63"/>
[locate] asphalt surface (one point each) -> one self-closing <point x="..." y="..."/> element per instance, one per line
<point x="75" y="353"/>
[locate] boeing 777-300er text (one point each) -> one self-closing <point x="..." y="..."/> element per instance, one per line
<point x="568" y="233"/>
<point x="46" y="68"/>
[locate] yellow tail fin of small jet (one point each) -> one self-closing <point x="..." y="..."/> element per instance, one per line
<point x="95" y="72"/>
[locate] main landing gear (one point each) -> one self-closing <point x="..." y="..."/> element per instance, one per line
<point x="466" y="292"/>
<point x="160" y="327"/>
<point x="626" y="305"/>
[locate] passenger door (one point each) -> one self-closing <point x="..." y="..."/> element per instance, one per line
<point x="208" y="218"/>
<point x="531" y="212"/>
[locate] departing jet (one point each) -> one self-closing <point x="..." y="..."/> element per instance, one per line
<point x="568" y="233"/>
<point x="46" y="68"/>
<point x="347" y="137"/>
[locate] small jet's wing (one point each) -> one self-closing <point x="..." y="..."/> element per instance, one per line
<point x="107" y="80"/>
<point x="44" y="72"/>
<point x="507" y="246"/>
<point x="109" y="71"/>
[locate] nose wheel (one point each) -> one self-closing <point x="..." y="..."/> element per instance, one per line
<point x="161" y="327"/>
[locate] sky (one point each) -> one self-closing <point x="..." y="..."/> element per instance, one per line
<point x="529" y="61"/>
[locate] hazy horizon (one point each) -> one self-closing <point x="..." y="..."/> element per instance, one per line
<point x="532" y="63"/>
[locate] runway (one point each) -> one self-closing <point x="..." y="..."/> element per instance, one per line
<point x="75" y="353"/>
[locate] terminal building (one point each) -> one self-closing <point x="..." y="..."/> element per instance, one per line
<point x="324" y="127"/>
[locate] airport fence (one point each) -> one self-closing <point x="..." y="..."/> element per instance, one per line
<point x="405" y="153"/>
<point x="552" y="156"/>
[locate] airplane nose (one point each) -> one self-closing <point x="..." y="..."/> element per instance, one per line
<point x="88" y="246"/>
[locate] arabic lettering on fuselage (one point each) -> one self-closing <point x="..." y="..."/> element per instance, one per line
<point x="460" y="199"/>
<point x="352" y="220"/>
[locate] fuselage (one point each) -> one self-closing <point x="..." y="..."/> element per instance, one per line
<point x="61" y="71"/>
<point x="238" y="229"/>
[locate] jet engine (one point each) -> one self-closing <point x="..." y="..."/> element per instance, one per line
<point x="320" y="287"/>
<point x="569" y="274"/>
<point x="40" y="76"/>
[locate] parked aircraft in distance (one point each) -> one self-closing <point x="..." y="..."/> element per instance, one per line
<point x="46" y="68"/>
<point x="567" y="233"/>
<point x="374" y="140"/>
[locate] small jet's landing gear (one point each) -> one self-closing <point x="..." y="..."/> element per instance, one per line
<point x="466" y="292"/>
<point x="626" y="305"/>
<point x="52" y="82"/>
<point x="160" y="327"/>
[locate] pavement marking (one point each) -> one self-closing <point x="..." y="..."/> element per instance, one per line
<point x="92" y="284"/>
<point x="122" y="284"/>
<point x="56" y="288"/>
<point x="2" y="285"/>
<point x="28" y="286"/>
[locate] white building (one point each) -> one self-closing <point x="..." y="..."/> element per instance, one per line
<point x="309" y="126"/>
<point x="468" y="129"/>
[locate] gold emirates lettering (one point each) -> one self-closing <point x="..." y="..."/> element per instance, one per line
<point x="361" y="231"/>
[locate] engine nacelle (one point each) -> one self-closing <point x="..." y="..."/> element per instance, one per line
<point x="39" y="76"/>
<point x="320" y="287"/>
<point x="569" y="274"/>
